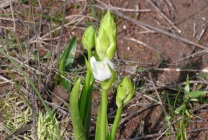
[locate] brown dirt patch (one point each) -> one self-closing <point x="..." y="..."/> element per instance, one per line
<point x="137" y="47"/>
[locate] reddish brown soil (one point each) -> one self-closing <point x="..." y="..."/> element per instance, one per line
<point x="163" y="51"/>
<point x="160" y="51"/>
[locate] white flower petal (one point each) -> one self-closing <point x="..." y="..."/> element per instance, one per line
<point x="101" y="70"/>
<point x="107" y="61"/>
<point x="92" y="61"/>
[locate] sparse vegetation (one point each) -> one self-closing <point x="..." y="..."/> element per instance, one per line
<point x="162" y="48"/>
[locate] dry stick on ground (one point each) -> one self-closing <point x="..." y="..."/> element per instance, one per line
<point x="141" y="24"/>
<point x="159" y="134"/>
<point x="199" y="108"/>
<point x="171" y="6"/>
<point x="158" y="30"/>
<point x="158" y="96"/>
<point x="35" y="45"/>
<point x="175" y="86"/>
<point x="199" y="37"/>
<point x="132" y="10"/>
<point x="172" y="133"/>
<point x="142" y="43"/>
<point x="58" y="50"/>
<point x="165" y="17"/>
<point x="191" y="55"/>
<point x="6" y="3"/>
<point x="138" y="112"/>
<point x="146" y="45"/>
<point x="5" y="80"/>
<point x="20" y="131"/>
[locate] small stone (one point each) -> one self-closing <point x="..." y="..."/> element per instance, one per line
<point x="203" y="18"/>
<point x="124" y="27"/>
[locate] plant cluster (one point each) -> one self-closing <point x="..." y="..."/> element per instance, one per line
<point x="101" y="69"/>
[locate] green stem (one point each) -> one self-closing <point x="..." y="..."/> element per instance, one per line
<point x="116" y="122"/>
<point x="84" y="94"/>
<point x="85" y="101"/>
<point x="89" y="54"/>
<point x="103" y="118"/>
<point x="84" y="98"/>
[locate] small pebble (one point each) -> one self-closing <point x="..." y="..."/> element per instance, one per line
<point x="124" y="27"/>
<point x="204" y="18"/>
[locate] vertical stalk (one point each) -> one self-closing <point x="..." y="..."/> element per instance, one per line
<point x="89" y="54"/>
<point x="85" y="101"/>
<point x="116" y="122"/>
<point x="103" y="117"/>
<point x="84" y="98"/>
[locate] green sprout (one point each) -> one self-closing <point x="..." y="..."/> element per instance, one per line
<point x="189" y="96"/>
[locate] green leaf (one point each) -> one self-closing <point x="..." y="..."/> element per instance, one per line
<point x="67" y="57"/>
<point x="141" y="70"/>
<point x="199" y="86"/>
<point x="66" y="84"/>
<point x="88" y="110"/>
<point x="98" y="127"/>
<point x="78" y="127"/>
<point x="66" y="60"/>
<point x="70" y="58"/>
<point x="85" y="101"/>
<point x="180" y="108"/>
<point x="196" y="94"/>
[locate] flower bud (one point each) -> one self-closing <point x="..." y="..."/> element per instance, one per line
<point x="125" y="92"/>
<point x="106" y="39"/>
<point x="88" y="38"/>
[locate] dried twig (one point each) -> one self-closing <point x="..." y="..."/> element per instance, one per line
<point x="138" y="112"/>
<point x="141" y="24"/>
<point x="158" y="96"/>
<point x="7" y="3"/>
<point x="5" y="80"/>
<point x="172" y="133"/>
<point x="142" y="43"/>
<point x="165" y="17"/>
<point x="131" y="10"/>
<point x="58" y="50"/>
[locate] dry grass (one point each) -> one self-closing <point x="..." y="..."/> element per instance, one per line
<point x="33" y="35"/>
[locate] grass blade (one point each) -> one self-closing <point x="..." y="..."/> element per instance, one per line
<point x="34" y="88"/>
